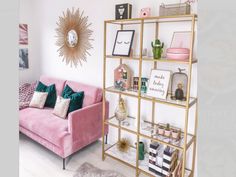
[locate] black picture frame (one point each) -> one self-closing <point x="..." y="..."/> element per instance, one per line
<point x="117" y="48"/>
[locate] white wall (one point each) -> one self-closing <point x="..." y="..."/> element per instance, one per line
<point x="43" y="49"/>
<point x="27" y="16"/>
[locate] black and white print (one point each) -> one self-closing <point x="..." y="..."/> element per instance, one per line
<point x="23" y="59"/>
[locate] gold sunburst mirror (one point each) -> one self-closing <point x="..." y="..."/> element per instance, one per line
<point x="73" y="37"/>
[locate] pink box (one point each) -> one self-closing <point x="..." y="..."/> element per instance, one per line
<point x="177" y="54"/>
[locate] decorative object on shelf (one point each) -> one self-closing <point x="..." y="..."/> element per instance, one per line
<point x="123" y="11"/>
<point x="23" y="34"/>
<point x="23" y="59"/>
<point x="158" y="83"/>
<point x="145" y="12"/>
<point x="180" y="45"/>
<point x="144" y="52"/>
<point x="181" y="39"/>
<point x="179" y="83"/>
<point x="73" y="37"/>
<point x="175" y="134"/>
<point x="181" y="54"/>
<point x="140" y="150"/>
<point x="122" y="77"/>
<point x="157" y="49"/>
<point x="161" y="130"/>
<point x="162" y="159"/>
<point x="135" y="83"/>
<point x="167" y="130"/>
<point x="144" y="83"/>
<point x="123" y="145"/>
<point x="123" y="43"/>
<point x="174" y="9"/>
<point x="121" y="110"/>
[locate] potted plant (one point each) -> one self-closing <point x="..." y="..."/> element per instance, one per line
<point x="157" y="49"/>
<point x="167" y="130"/>
<point x="161" y="130"/>
<point x="175" y="134"/>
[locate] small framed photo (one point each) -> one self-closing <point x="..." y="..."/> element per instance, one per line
<point x="123" y="43"/>
<point x="181" y="39"/>
<point x="158" y="83"/>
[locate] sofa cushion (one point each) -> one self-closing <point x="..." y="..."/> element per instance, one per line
<point x="59" y="83"/>
<point x="38" y="100"/>
<point x="61" y="107"/>
<point x="92" y="94"/>
<point x="45" y="124"/>
<point x="76" y="98"/>
<point x="52" y="95"/>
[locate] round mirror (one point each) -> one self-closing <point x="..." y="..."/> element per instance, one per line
<point x="72" y="38"/>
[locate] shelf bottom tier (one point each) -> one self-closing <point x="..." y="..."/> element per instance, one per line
<point x="129" y="158"/>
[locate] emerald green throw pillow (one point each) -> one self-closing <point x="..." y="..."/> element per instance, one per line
<point x="52" y="94"/>
<point x="76" y="98"/>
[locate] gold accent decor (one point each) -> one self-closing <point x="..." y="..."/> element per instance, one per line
<point x="73" y="37"/>
<point x="123" y="145"/>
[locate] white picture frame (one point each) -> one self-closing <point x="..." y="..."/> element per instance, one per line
<point x="123" y="43"/>
<point x="158" y="83"/>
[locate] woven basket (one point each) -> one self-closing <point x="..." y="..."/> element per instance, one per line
<point x="175" y="9"/>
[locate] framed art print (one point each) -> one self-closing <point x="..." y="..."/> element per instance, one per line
<point x="23" y="34"/>
<point x="181" y="39"/>
<point x="158" y="83"/>
<point x="123" y="43"/>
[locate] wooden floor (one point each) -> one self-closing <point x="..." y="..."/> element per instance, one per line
<point x="37" y="161"/>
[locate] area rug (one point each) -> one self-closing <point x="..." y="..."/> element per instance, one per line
<point x="88" y="170"/>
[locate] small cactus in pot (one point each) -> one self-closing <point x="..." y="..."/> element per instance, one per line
<point x="157" y="48"/>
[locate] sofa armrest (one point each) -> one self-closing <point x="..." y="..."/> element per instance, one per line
<point x="85" y="124"/>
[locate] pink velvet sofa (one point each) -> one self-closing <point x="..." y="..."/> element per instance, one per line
<point x="66" y="136"/>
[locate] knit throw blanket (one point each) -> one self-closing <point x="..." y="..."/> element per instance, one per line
<point x="26" y="91"/>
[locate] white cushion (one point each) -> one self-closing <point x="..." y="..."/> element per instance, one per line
<point x="38" y="100"/>
<point x="61" y="107"/>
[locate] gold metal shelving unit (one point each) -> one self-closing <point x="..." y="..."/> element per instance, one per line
<point x="188" y="139"/>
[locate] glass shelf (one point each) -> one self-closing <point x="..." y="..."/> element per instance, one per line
<point x="164" y="60"/>
<point x="129" y="158"/>
<point x="145" y="131"/>
<point x="167" y="101"/>
<point x="155" y="19"/>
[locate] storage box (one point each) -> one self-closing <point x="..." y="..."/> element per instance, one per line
<point x="123" y="11"/>
<point x="181" y="54"/>
<point x="174" y="9"/>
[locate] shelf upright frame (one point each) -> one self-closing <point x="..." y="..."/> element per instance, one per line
<point x="121" y="61"/>
<point x="139" y="96"/>
<point x="188" y="96"/>
<point x="155" y="67"/>
<point x="104" y="90"/>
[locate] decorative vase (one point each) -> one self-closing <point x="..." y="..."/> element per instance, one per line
<point x="141" y="151"/>
<point x="161" y="130"/>
<point x="121" y="111"/>
<point x="157" y="49"/>
<point x="167" y="133"/>
<point x="175" y="134"/>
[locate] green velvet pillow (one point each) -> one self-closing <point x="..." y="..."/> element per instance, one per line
<point x="52" y="94"/>
<point x="76" y="98"/>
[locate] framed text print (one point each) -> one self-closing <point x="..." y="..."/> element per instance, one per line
<point x="123" y="43"/>
<point x="158" y="84"/>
